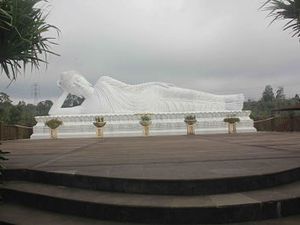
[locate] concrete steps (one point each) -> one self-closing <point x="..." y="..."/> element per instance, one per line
<point x="158" y="186"/>
<point x="261" y="204"/>
<point x="11" y="214"/>
<point x="244" y="179"/>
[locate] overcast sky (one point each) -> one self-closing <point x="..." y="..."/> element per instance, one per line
<point x="221" y="47"/>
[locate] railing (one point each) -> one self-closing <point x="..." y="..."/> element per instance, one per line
<point x="278" y="124"/>
<point x="12" y="132"/>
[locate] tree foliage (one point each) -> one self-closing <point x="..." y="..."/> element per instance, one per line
<point x="262" y="108"/>
<point x="22" y="113"/>
<point x="72" y="100"/>
<point x="53" y="123"/>
<point x="23" y="37"/>
<point x="280" y="94"/>
<point x="285" y="10"/>
<point x="268" y="94"/>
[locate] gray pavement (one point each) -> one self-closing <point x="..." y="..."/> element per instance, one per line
<point x="167" y="157"/>
<point x="164" y="157"/>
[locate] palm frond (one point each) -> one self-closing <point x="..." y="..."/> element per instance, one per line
<point x="285" y="10"/>
<point x="23" y="36"/>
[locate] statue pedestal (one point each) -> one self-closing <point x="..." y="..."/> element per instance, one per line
<point x="146" y="130"/>
<point x="53" y="133"/>
<point x="125" y="125"/>
<point x="99" y="132"/>
<point x="190" y="129"/>
<point x="232" y="128"/>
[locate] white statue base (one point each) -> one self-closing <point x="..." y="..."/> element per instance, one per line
<point x="123" y="125"/>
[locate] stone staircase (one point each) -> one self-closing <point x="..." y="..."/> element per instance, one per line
<point x="206" y="201"/>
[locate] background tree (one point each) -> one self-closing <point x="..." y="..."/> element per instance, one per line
<point x="4" y="98"/>
<point x="5" y="106"/>
<point x="262" y="108"/>
<point x="22" y="36"/>
<point x="268" y="94"/>
<point x="42" y="108"/>
<point x="285" y="10"/>
<point x="280" y="94"/>
<point x="297" y="98"/>
<point x="72" y="100"/>
<point x="22" y="113"/>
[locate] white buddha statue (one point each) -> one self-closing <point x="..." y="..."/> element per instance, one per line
<point x="112" y="96"/>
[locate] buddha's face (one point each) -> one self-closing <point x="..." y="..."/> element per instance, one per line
<point x="75" y="84"/>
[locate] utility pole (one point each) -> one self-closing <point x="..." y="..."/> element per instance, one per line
<point x="35" y="93"/>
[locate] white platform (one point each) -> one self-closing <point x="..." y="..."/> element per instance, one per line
<point x="128" y="124"/>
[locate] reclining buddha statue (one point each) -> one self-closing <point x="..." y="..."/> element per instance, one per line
<point x="113" y="97"/>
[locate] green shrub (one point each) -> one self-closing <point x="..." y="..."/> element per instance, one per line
<point x="53" y="123"/>
<point x="99" y="119"/>
<point x="190" y="117"/>
<point x="145" y="120"/>
<point x="231" y="120"/>
<point x="145" y="117"/>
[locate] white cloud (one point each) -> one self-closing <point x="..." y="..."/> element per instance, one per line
<point x="215" y="46"/>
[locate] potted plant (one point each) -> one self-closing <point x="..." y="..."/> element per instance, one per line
<point x="145" y="121"/>
<point x="231" y="124"/>
<point x="53" y="124"/>
<point x="190" y="121"/>
<point x="99" y="124"/>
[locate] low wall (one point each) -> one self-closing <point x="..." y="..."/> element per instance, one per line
<point x="128" y="124"/>
<point x="12" y="132"/>
<point x="279" y="123"/>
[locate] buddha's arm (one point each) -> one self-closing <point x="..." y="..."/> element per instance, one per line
<point x="57" y="109"/>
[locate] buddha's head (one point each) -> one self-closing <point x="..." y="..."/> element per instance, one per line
<point x="75" y="84"/>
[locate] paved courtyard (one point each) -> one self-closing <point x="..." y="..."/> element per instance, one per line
<point x="165" y="157"/>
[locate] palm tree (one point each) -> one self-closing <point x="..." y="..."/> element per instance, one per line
<point x="285" y="10"/>
<point x="22" y="40"/>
